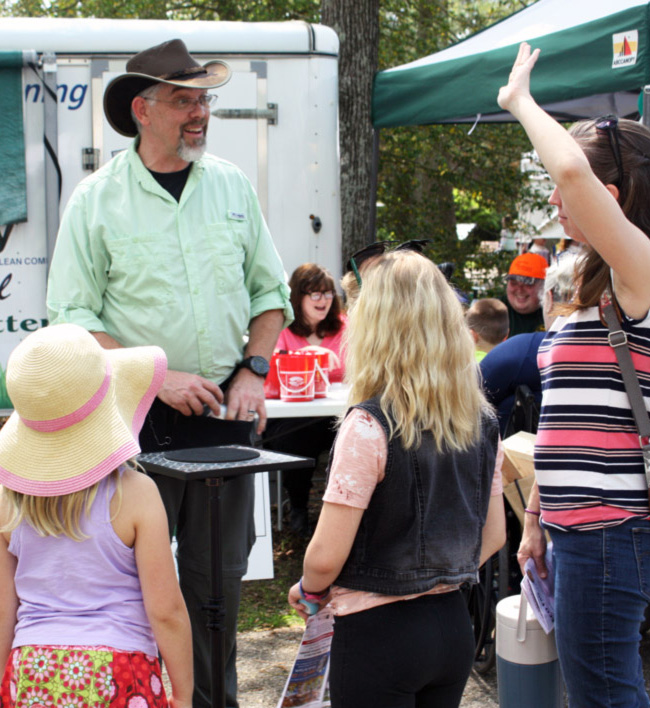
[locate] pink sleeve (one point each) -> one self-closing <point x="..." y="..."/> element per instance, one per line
<point x="497" y="480"/>
<point x="359" y="461"/>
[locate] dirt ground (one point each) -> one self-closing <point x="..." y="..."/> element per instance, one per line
<point x="266" y="657"/>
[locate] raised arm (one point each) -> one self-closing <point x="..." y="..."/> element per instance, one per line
<point x="591" y="206"/>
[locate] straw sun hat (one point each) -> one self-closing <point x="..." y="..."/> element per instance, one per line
<point x="78" y="409"/>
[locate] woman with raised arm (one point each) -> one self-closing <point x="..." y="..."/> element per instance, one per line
<point x="591" y="491"/>
<point x="413" y="503"/>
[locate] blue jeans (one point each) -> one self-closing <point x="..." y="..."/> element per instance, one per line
<point x="602" y="586"/>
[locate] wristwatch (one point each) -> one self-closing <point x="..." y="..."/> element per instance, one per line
<point x="257" y="364"/>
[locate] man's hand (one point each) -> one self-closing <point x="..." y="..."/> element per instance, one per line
<point x="189" y="393"/>
<point x="245" y="397"/>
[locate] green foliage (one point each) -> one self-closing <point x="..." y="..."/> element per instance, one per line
<point x="432" y="177"/>
<point x="258" y="11"/>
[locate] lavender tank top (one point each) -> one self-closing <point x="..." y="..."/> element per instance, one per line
<point x="80" y="592"/>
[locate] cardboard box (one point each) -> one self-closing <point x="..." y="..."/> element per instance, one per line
<point x="517" y="494"/>
<point x="518" y="462"/>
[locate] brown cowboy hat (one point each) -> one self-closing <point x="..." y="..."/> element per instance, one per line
<point x="167" y="63"/>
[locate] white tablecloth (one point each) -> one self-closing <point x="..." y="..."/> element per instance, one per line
<point x="334" y="404"/>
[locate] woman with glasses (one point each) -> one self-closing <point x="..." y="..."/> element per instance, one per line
<point x="591" y="492"/>
<point x="319" y="321"/>
<point x="413" y="503"/>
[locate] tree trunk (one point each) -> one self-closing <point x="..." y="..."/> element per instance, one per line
<point x="357" y="25"/>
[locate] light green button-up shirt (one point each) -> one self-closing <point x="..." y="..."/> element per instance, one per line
<point x="188" y="276"/>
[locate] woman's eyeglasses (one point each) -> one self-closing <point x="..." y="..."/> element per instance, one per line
<point x="609" y="125"/>
<point x="320" y="294"/>
<point x="379" y="248"/>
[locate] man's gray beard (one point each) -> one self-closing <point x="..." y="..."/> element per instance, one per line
<point x="188" y="153"/>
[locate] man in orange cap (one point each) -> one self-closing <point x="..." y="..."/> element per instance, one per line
<point x="524" y="284"/>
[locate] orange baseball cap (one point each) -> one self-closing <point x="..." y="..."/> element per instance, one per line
<point x="529" y="265"/>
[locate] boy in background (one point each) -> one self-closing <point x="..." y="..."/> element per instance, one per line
<point x="487" y="319"/>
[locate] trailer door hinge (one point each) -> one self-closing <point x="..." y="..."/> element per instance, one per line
<point x="270" y="113"/>
<point x="90" y="158"/>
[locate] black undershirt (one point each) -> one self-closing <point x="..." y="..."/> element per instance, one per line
<point x="173" y="182"/>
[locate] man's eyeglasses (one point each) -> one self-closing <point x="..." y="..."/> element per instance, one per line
<point x="183" y="103"/>
<point x="609" y="125"/>
<point x="320" y="294"/>
<point x="380" y="247"/>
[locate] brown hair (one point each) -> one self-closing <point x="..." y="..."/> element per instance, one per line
<point x="488" y="317"/>
<point x="312" y="278"/>
<point x="634" y="193"/>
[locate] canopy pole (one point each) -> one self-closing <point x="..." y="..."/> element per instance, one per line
<point x="645" y="118"/>
<point x="50" y="137"/>
<point x="374" y="170"/>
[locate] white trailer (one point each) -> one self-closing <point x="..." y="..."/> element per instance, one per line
<point x="277" y="119"/>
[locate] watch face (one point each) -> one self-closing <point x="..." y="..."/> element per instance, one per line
<point x="259" y="365"/>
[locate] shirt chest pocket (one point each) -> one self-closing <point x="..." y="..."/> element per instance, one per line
<point x="140" y="270"/>
<point x="221" y="250"/>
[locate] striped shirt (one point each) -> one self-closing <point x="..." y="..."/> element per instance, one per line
<point x="588" y="460"/>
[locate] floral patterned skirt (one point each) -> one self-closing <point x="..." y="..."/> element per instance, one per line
<point x="81" y="677"/>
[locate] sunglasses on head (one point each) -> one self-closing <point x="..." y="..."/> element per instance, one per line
<point x="609" y="125"/>
<point x="379" y="248"/>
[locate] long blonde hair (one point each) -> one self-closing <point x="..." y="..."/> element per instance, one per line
<point x="54" y="516"/>
<point x="407" y="342"/>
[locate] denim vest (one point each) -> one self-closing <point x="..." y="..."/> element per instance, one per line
<point x="424" y="521"/>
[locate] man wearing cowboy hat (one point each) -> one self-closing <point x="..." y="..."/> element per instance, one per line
<point x="167" y="245"/>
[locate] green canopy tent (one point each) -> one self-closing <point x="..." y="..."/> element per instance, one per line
<point x="13" y="198"/>
<point x="595" y="60"/>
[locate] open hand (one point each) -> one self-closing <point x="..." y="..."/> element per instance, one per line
<point x="519" y="80"/>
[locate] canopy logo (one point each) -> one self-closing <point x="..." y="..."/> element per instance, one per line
<point x="626" y="45"/>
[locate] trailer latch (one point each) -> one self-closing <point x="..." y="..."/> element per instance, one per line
<point x="90" y="158"/>
<point x="270" y="113"/>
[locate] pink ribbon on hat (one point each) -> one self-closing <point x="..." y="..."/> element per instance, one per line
<point x="51" y="426"/>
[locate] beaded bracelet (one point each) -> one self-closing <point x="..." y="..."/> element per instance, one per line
<point x="530" y="511"/>
<point x="311" y="600"/>
<point x="312" y="596"/>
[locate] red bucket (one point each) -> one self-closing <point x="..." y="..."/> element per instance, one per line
<point x="272" y="382"/>
<point x="321" y="378"/>
<point x="296" y="372"/>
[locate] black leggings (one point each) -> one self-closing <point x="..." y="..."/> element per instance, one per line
<point x="407" y="654"/>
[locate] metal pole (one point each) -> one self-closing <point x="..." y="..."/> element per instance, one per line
<point x="51" y="140"/>
<point x="645" y="118"/>
<point x="216" y="606"/>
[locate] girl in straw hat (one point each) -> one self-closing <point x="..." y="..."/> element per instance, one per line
<point x="413" y="504"/>
<point x="87" y="581"/>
